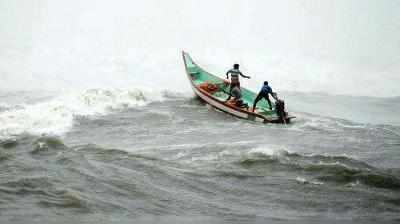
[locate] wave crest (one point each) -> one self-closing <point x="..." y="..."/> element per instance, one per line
<point x="45" y="144"/>
<point x="322" y="168"/>
<point x="4" y="107"/>
<point x="56" y="116"/>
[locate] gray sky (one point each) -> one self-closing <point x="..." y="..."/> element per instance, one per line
<point x="333" y="46"/>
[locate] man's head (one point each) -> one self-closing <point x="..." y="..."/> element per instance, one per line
<point x="236" y="66"/>
<point x="265" y="82"/>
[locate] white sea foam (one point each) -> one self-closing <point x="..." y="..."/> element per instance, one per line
<point x="303" y="180"/>
<point x="56" y="116"/>
<point x="274" y="152"/>
<point x="4" y="106"/>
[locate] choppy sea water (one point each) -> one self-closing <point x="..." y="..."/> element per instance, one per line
<point x="140" y="156"/>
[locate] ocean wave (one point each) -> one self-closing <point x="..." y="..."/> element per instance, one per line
<point x="4" y="156"/>
<point x="66" y="199"/>
<point x="322" y="168"/>
<point x="339" y="173"/>
<point x="4" y="107"/>
<point x="265" y="155"/>
<point x="47" y="144"/>
<point x="303" y="180"/>
<point x="56" y="116"/>
<point x="50" y="196"/>
<point x="8" y="143"/>
<point x="270" y="152"/>
<point x="313" y="122"/>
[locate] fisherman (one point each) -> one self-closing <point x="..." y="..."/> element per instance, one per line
<point x="235" y="72"/>
<point x="237" y="94"/>
<point x="264" y="93"/>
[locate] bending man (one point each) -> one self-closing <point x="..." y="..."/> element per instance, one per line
<point x="264" y="93"/>
<point x="237" y="94"/>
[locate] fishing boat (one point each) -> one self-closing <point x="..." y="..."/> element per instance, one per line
<point x="215" y="91"/>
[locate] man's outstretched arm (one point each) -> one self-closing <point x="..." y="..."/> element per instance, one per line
<point x="244" y="76"/>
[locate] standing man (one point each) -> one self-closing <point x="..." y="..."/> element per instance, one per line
<point x="264" y="93"/>
<point x="235" y="72"/>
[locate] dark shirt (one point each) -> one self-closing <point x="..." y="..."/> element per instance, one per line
<point x="266" y="89"/>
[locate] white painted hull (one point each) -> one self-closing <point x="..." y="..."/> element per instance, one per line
<point x="223" y="107"/>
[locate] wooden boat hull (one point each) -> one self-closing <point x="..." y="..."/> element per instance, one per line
<point x="199" y="77"/>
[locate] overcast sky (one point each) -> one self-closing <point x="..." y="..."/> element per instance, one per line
<point x="337" y="46"/>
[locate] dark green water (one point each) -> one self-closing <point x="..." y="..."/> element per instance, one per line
<point x="179" y="161"/>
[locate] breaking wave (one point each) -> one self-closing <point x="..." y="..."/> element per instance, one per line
<point x="4" y="107"/>
<point x="342" y="170"/>
<point x="56" y="116"/>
